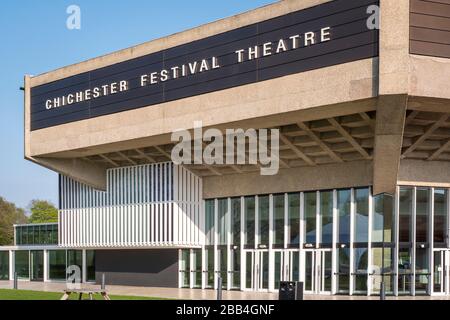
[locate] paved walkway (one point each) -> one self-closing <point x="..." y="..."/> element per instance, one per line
<point x="188" y="294"/>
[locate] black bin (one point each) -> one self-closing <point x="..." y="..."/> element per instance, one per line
<point x="291" y="290"/>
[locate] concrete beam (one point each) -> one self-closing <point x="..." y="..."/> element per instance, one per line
<point x="330" y="176"/>
<point x="424" y="173"/>
<point x="86" y="172"/>
<point x="391" y="116"/>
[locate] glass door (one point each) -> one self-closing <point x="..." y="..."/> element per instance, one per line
<point x="318" y="271"/>
<point x="197" y="268"/>
<point x="37" y="265"/>
<point x="287" y="267"/>
<point x="441" y="272"/>
<point x="257" y="270"/>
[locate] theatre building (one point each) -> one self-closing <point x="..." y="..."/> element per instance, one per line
<point x="360" y="94"/>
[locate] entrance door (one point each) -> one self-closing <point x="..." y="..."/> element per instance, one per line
<point x="37" y="265"/>
<point x="318" y="271"/>
<point x="441" y="272"/>
<point x="257" y="270"/>
<point x="287" y="267"/>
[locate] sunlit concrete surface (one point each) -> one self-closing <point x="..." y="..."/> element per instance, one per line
<point x="192" y="294"/>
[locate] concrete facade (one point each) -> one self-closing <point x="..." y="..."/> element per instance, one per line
<point x="375" y="123"/>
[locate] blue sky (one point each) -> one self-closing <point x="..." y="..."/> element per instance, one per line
<point x="34" y="39"/>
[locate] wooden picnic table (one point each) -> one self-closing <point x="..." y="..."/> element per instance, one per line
<point x="87" y="291"/>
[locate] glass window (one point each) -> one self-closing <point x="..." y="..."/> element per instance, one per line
<point x="222" y="255"/>
<point x="362" y="215"/>
<point x="90" y="265"/>
<point x="236" y="272"/>
<point x="383" y="219"/>
<point x="197" y="268"/>
<point x="343" y="214"/>
<point x="343" y="276"/>
<point x="422" y="271"/>
<point x="222" y="221"/>
<point x="382" y="266"/>
<point x="236" y="221"/>
<point x="209" y="221"/>
<point x="263" y="220"/>
<point x="360" y="267"/>
<point x="4" y="265"/>
<point x="278" y="220"/>
<point x="294" y="219"/>
<point x="185" y="268"/>
<point x="250" y="221"/>
<point x="210" y="266"/>
<point x="404" y="271"/>
<point x="75" y="258"/>
<point x="326" y="217"/>
<point x="422" y="214"/>
<point x="440" y="216"/>
<point x="405" y="221"/>
<point x="22" y="264"/>
<point x="57" y="264"/>
<point x="310" y="217"/>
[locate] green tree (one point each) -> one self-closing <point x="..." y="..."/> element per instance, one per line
<point x="9" y="215"/>
<point x="43" y="212"/>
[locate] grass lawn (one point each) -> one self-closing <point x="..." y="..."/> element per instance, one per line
<point x="7" y="294"/>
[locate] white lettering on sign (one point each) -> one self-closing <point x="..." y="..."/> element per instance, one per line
<point x="192" y="68"/>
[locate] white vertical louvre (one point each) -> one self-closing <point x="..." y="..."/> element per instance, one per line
<point x="151" y="205"/>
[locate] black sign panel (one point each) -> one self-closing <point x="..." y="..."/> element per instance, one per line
<point x="332" y="33"/>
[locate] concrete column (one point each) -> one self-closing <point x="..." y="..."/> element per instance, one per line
<point x="391" y="116"/>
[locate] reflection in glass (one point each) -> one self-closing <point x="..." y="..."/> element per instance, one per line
<point x="362" y="215"/>
<point x="278" y="220"/>
<point x="248" y="270"/>
<point x="209" y="221"/>
<point x="236" y="221"/>
<point x="278" y="269"/>
<point x="440" y="216"/>
<point x="4" y="265"/>
<point x="422" y="214"/>
<point x="90" y="265"/>
<point x="343" y="207"/>
<point x="439" y="272"/>
<point x="360" y="267"/>
<point x="326" y="217"/>
<point x="185" y="268"/>
<point x="263" y="221"/>
<point x="382" y="267"/>
<point x="222" y="255"/>
<point x="37" y="265"/>
<point x="383" y="219"/>
<point x="309" y="270"/>
<point x="236" y="273"/>
<point x="57" y="264"/>
<point x="210" y="267"/>
<point x="22" y="264"/>
<point x="310" y="217"/>
<point x="294" y="219"/>
<point x="197" y="267"/>
<point x="222" y="225"/>
<point x="404" y="271"/>
<point x="406" y="211"/>
<point x="250" y="221"/>
<point x="343" y="276"/>
<point x="422" y="271"/>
